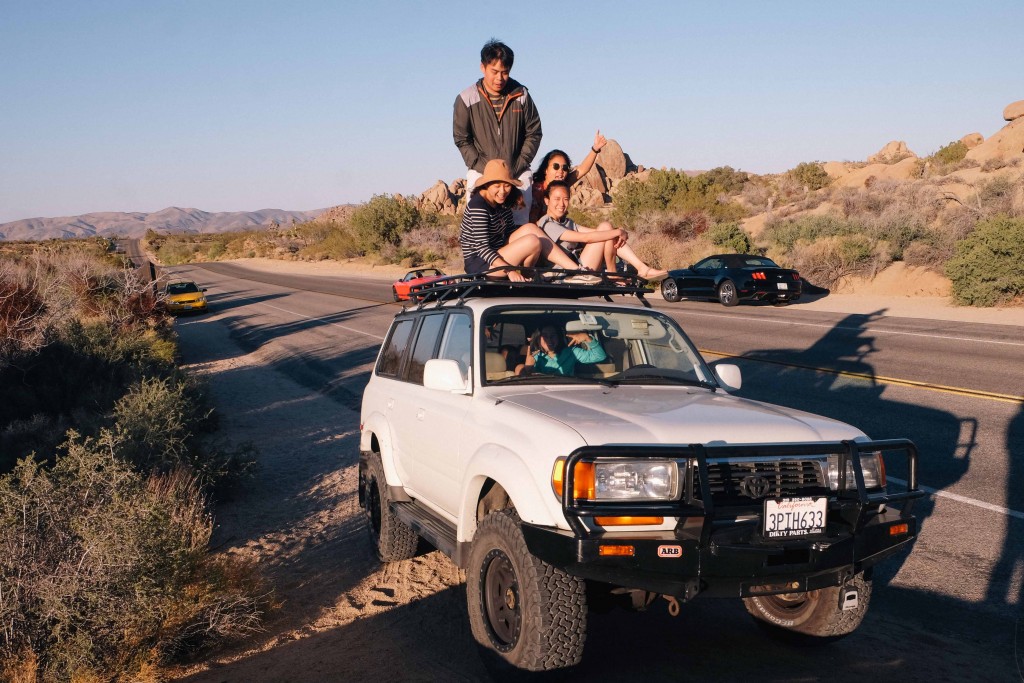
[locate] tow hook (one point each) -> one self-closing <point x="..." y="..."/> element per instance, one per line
<point x="673" y="605"/>
<point x="848" y="599"/>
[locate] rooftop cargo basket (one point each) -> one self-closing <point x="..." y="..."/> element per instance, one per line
<point x="540" y="282"/>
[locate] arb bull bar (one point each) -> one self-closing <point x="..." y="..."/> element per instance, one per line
<point x="717" y="547"/>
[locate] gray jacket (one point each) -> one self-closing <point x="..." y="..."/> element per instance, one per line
<point x="480" y="137"/>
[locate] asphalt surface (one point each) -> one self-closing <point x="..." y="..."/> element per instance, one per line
<point x="949" y="610"/>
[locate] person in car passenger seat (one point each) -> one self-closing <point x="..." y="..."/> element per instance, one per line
<point x="549" y="354"/>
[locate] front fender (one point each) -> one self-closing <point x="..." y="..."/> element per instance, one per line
<point x="376" y="424"/>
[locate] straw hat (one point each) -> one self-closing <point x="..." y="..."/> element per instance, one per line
<point x="496" y="171"/>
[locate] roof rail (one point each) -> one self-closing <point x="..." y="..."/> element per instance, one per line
<point x="539" y="282"/>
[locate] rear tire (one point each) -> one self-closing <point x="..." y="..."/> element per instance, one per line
<point x="816" y="613"/>
<point x="390" y="536"/>
<point x="670" y="290"/>
<point x="727" y="295"/>
<point x="524" y="612"/>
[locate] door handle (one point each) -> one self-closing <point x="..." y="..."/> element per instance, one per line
<point x="391" y="403"/>
<point x="420" y="414"/>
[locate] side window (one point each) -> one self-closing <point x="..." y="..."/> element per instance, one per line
<point x="426" y="342"/>
<point x="390" y="362"/>
<point x="457" y="343"/>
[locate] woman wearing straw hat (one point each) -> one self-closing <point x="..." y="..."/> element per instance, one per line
<point x="489" y="236"/>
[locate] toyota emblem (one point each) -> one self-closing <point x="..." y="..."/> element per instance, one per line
<point x="755" y="486"/>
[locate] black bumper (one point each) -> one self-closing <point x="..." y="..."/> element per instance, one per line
<point x="726" y="566"/>
<point x="717" y="547"/>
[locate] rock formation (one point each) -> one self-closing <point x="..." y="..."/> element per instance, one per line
<point x="1014" y="111"/>
<point x="438" y="199"/>
<point x="894" y="151"/>
<point x="972" y="140"/>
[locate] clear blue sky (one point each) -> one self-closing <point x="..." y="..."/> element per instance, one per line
<point x="226" y="106"/>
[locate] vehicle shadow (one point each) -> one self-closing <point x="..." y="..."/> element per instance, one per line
<point x="850" y="392"/>
<point x="711" y="640"/>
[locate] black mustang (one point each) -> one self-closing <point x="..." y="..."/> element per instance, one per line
<point x="732" y="278"/>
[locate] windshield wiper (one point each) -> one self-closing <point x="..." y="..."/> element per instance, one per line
<point x="542" y="378"/>
<point x="667" y="379"/>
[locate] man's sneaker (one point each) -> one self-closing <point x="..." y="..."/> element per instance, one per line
<point x="582" y="279"/>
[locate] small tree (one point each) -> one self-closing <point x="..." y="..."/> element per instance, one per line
<point x="953" y="153"/>
<point x="382" y="220"/>
<point x="811" y="175"/>
<point x="730" y="236"/>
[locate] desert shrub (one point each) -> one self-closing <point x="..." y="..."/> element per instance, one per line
<point x="726" y="177"/>
<point x="217" y="249"/>
<point x="338" y="243"/>
<point x="828" y="260"/>
<point x="730" y="236"/>
<point x="670" y="190"/>
<point x="932" y="252"/>
<point x="382" y="220"/>
<point x="583" y="216"/>
<point x="175" y="252"/>
<point x="438" y="241"/>
<point x="786" y="233"/>
<point x="952" y="153"/>
<point x="810" y="175"/>
<point x="105" y="571"/>
<point x="986" y="268"/>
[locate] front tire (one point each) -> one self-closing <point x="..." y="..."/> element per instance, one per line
<point x="394" y="293"/>
<point x="727" y="295"/>
<point x="390" y="536"/>
<point x="816" y="613"/>
<point x="670" y="290"/>
<point x="531" y="615"/>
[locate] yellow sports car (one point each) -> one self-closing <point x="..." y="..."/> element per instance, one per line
<point x="183" y="296"/>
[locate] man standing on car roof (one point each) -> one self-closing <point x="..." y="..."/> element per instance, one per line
<point x="495" y="118"/>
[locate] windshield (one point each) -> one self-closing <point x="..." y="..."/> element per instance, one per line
<point x="570" y="345"/>
<point x="181" y="288"/>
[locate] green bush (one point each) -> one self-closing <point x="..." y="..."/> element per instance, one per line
<point x="671" y="191"/>
<point x="786" y="233"/>
<point x="726" y="177"/>
<point x="105" y="571"/>
<point x="986" y="269"/>
<point x="382" y="220"/>
<point x="953" y="153"/>
<point x="730" y="236"/>
<point x="810" y="175"/>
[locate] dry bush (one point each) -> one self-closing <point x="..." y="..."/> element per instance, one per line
<point x="758" y="195"/>
<point x="437" y="242"/>
<point x="930" y="253"/>
<point x="662" y="251"/>
<point x="828" y="260"/>
<point x="104" y="570"/>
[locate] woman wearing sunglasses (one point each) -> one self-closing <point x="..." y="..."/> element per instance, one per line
<point x="556" y="166"/>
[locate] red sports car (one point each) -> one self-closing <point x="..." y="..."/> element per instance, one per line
<point x="420" y="276"/>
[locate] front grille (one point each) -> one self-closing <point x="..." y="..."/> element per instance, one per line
<point x="784" y="478"/>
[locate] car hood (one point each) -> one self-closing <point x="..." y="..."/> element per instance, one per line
<point x="665" y="415"/>
<point x="185" y="298"/>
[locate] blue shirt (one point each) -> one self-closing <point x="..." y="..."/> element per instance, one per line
<point x="564" y="362"/>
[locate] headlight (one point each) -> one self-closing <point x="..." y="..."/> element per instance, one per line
<point x="621" y="479"/>
<point x="872" y="464"/>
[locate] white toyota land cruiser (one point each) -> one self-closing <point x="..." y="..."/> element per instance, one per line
<point x="631" y="471"/>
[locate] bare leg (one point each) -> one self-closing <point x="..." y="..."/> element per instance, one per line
<point x="592" y="255"/>
<point x="547" y="248"/>
<point x="642" y="269"/>
<point x="523" y="250"/>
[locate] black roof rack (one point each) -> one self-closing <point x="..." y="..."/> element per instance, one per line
<point x="540" y="282"/>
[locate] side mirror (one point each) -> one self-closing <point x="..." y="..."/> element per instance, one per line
<point x="443" y="374"/>
<point x="729" y="376"/>
<point x="203" y="289"/>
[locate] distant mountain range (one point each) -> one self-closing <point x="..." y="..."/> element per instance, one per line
<point x="136" y="223"/>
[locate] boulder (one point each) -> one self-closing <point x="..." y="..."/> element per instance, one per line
<point x="437" y="199"/>
<point x="1014" y="110"/>
<point x="972" y="140"/>
<point x="894" y="151"/>
<point x="613" y="160"/>
<point x="584" y="195"/>
<point x="835" y="169"/>
<point x="1006" y="143"/>
<point x="596" y="180"/>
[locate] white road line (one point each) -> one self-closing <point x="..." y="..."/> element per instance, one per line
<point x="963" y="499"/>
<point x="308" y="317"/>
<point x="873" y="330"/>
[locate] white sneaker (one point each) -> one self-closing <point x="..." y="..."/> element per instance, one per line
<point x="582" y="279"/>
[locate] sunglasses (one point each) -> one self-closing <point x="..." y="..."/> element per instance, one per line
<point x="555" y="166"/>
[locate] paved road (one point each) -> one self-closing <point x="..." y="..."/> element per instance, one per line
<point x="949" y="610"/>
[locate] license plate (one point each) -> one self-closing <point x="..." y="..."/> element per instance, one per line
<point x="794" y="517"/>
<point x="783" y="285"/>
<point x="187" y="306"/>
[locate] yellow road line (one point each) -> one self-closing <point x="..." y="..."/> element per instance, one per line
<point x="959" y="391"/>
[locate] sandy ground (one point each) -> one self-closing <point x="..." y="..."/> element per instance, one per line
<point x="898" y="291"/>
<point x="340" y="615"/>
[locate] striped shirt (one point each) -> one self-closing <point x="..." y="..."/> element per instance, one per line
<point x="485" y="229"/>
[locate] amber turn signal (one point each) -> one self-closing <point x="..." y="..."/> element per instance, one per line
<point x="628" y="521"/>
<point x="616" y="551"/>
<point x="899" y="529"/>
<point x="582" y="483"/>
